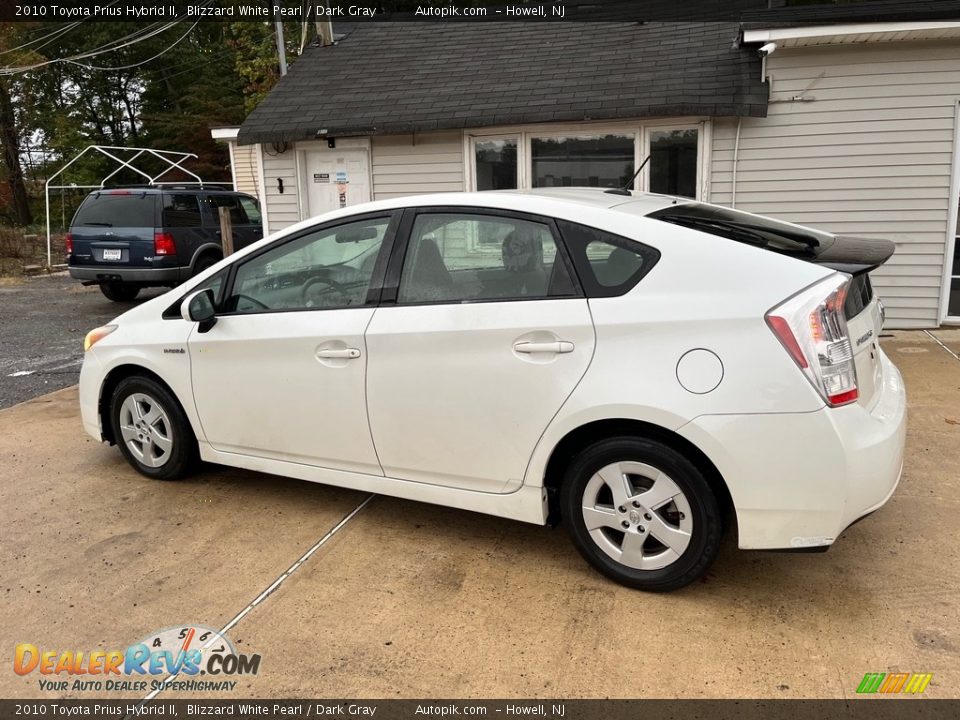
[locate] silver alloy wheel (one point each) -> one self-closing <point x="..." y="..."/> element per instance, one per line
<point x="637" y="515"/>
<point x="146" y="429"/>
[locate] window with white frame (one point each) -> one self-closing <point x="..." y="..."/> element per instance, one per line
<point x="674" y="161"/>
<point x="583" y="156"/>
<point x="582" y="160"/>
<point x="495" y="163"/>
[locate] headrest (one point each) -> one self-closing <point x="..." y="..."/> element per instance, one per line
<point x="522" y="251"/>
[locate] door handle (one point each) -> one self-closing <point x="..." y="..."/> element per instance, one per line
<point x="560" y="346"/>
<point x="344" y="354"/>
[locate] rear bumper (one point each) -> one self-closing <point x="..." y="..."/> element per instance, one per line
<point x="809" y="476"/>
<point x="106" y="273"/>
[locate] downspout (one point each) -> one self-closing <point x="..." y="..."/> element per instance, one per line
<point x="736" y="158"/>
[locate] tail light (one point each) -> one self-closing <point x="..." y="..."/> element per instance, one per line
<point x="68" y="242"/>
<point x="813" y="329"/>
<point x="163" y="244"/>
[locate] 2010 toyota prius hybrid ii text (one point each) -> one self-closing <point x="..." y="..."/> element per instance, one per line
<point x="638" y="367"/>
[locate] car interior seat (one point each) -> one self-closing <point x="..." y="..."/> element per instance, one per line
<point x="429" y="278"/>
<point x="522" y="254"/>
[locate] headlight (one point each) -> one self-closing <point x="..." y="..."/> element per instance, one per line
<point x="96" y="335"/>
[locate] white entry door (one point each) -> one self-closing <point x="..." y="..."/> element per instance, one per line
<point x="337" y="178"/>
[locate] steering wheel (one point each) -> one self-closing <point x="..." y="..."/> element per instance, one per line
<point x="262" y="305"/>
<point x="332" y="284"/>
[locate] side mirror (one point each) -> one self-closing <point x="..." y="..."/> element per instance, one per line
<point x="199" y="307"/>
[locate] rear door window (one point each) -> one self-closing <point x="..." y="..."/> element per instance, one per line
<point x="117" y="209"/>
<point x="251" y="209"/>
<point x="237" y="215"/>
<point x="464" y="257"/>
<point x="180" y="210"/>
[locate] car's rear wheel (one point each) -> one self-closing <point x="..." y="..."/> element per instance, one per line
<point x="120" y="292"/>
<point x="641" y="513"/>
<point x="151" y="429"/>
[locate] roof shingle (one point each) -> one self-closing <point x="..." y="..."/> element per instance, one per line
<point x="387" y="78"/>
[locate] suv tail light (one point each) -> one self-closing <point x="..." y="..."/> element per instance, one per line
<point x="163" y="244"/>
<point x="68" y="242"/>
<point x="813" y="329"/>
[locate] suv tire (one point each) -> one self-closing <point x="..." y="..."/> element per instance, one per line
<point x="204" y="262"/>
<point x="119" y="291"/>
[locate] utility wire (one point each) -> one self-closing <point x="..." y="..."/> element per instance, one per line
<point x="113" y="46"/>
<point x="52" y="36"/>
<point x="138" y="64"/>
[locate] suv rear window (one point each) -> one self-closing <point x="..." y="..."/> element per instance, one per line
<point x="114" y="209"/>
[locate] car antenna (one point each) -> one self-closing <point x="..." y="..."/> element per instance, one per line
<point x="625" y="190"/>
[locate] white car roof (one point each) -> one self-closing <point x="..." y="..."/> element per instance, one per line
<point x="541" y="200"/>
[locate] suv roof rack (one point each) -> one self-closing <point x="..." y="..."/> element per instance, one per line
<point x="178" y="185"/>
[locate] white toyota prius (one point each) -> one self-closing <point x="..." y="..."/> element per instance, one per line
<point x="638" y="367"/>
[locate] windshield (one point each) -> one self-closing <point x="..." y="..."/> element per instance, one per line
<point x="117" y="210"/>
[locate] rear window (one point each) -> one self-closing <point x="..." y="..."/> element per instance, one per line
<point x="781" y="237"/>
<point x="117" y="210"/>
<point x="859" y="295"/>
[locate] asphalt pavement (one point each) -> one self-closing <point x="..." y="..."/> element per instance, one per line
<point x="42" y="324"/>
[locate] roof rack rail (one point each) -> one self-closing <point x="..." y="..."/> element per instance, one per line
<point x="172" y="185"/>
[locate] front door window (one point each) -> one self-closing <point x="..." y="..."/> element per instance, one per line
<point x="327" y="269"/>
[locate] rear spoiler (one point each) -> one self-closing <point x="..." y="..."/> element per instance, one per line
<point x="846" y="254"/>
<point x="855" y="255"/>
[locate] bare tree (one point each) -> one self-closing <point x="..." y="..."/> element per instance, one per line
<point x="10" y="140"/>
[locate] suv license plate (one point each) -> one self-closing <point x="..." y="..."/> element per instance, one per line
<point x="111" y="254"/>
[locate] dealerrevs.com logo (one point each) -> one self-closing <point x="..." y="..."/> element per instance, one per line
<point x="173" y="658"/>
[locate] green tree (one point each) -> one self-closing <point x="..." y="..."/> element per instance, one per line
<point x="163" y="90"/>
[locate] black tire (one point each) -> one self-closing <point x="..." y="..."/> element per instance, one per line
<point x="704" y="528"/>
<point x="120" y="292"/>
<point x="204" y="262"/>
<point x="181" y="458"/>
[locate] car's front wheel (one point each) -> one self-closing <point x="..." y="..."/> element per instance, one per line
<point x="119" y="291"/>
<point x="641" y="513"/>
<point x="152" y="430"/>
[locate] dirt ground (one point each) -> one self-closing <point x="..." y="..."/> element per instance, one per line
<point x="412" y="600"/>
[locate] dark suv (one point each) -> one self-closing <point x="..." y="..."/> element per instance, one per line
<point x="124" y="239"/>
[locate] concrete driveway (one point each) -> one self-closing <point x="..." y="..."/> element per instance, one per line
<point x="411" y="600"/>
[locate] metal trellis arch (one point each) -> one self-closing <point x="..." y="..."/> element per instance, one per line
<point x="172" y="158"/>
